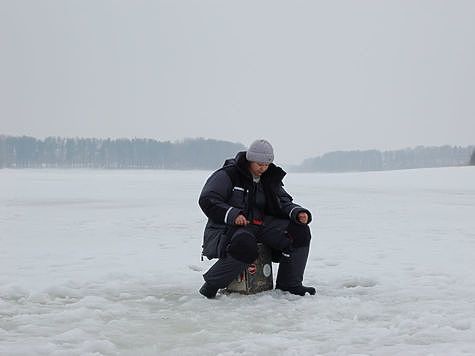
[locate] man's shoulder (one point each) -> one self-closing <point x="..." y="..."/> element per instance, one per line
<point x="227" y="173"/>
<point x="223" y="173"/>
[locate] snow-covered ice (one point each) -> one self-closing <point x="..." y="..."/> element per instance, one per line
<point x="108" y="262"/>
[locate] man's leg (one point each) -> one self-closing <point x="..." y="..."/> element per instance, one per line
<point x="291" y="270"/>
<point x="241" y="251"/>
<point x="220" y="275"/>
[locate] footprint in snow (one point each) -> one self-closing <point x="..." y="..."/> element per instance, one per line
<point x="195" y="268"/>
<point x="359" y="282"/>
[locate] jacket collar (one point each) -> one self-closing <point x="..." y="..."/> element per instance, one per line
<point x="273" y="174"/>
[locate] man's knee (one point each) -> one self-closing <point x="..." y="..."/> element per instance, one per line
<point x="243" y="247"/>
<point x="299" y="234"/>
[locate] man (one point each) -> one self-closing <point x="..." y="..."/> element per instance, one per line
<point x="245" y="203"/>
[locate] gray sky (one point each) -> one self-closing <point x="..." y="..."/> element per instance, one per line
<point x="310" y="76"/>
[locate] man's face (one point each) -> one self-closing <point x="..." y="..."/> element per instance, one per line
<point x="257" y="169"/>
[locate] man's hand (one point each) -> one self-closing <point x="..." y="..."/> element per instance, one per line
<point x="241" y="220"/>
<point x="302" y="217"/>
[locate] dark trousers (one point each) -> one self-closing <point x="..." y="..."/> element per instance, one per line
<point x="280" y="235"/>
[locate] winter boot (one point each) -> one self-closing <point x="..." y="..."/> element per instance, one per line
<point x="290" y="275"/>
<point x="299" y="290"/>
<point x="208" y="290"/>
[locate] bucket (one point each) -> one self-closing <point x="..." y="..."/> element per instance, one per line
<point x="257" y="277"/>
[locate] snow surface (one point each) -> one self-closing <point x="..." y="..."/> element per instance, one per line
<point x="108" y="262"/>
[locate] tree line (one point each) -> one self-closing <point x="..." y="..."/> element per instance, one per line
<point x="200" y="153"/>
<point x="374" y="160"/>
<point x="59" y="152"/>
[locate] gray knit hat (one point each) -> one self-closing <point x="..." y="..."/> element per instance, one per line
<point x="260" y="151"/>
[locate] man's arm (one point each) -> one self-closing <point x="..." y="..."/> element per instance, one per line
<point x="291" y="209"/>
<point x="214" y="196"/>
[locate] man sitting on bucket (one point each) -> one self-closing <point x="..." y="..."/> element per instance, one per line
<point x="245" y="203"/>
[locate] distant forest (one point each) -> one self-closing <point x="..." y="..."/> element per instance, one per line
<point x="57" y="152"/>
<point x="200" y="153"/>
<point x="373" y="160"/>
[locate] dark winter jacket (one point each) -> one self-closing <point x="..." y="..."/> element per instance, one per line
<point x="230" y="191"/>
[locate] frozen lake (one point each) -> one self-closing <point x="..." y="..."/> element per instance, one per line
<point x="108" y="262"/>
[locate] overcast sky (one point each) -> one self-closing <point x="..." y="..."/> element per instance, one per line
<point x="310" y="76"/>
